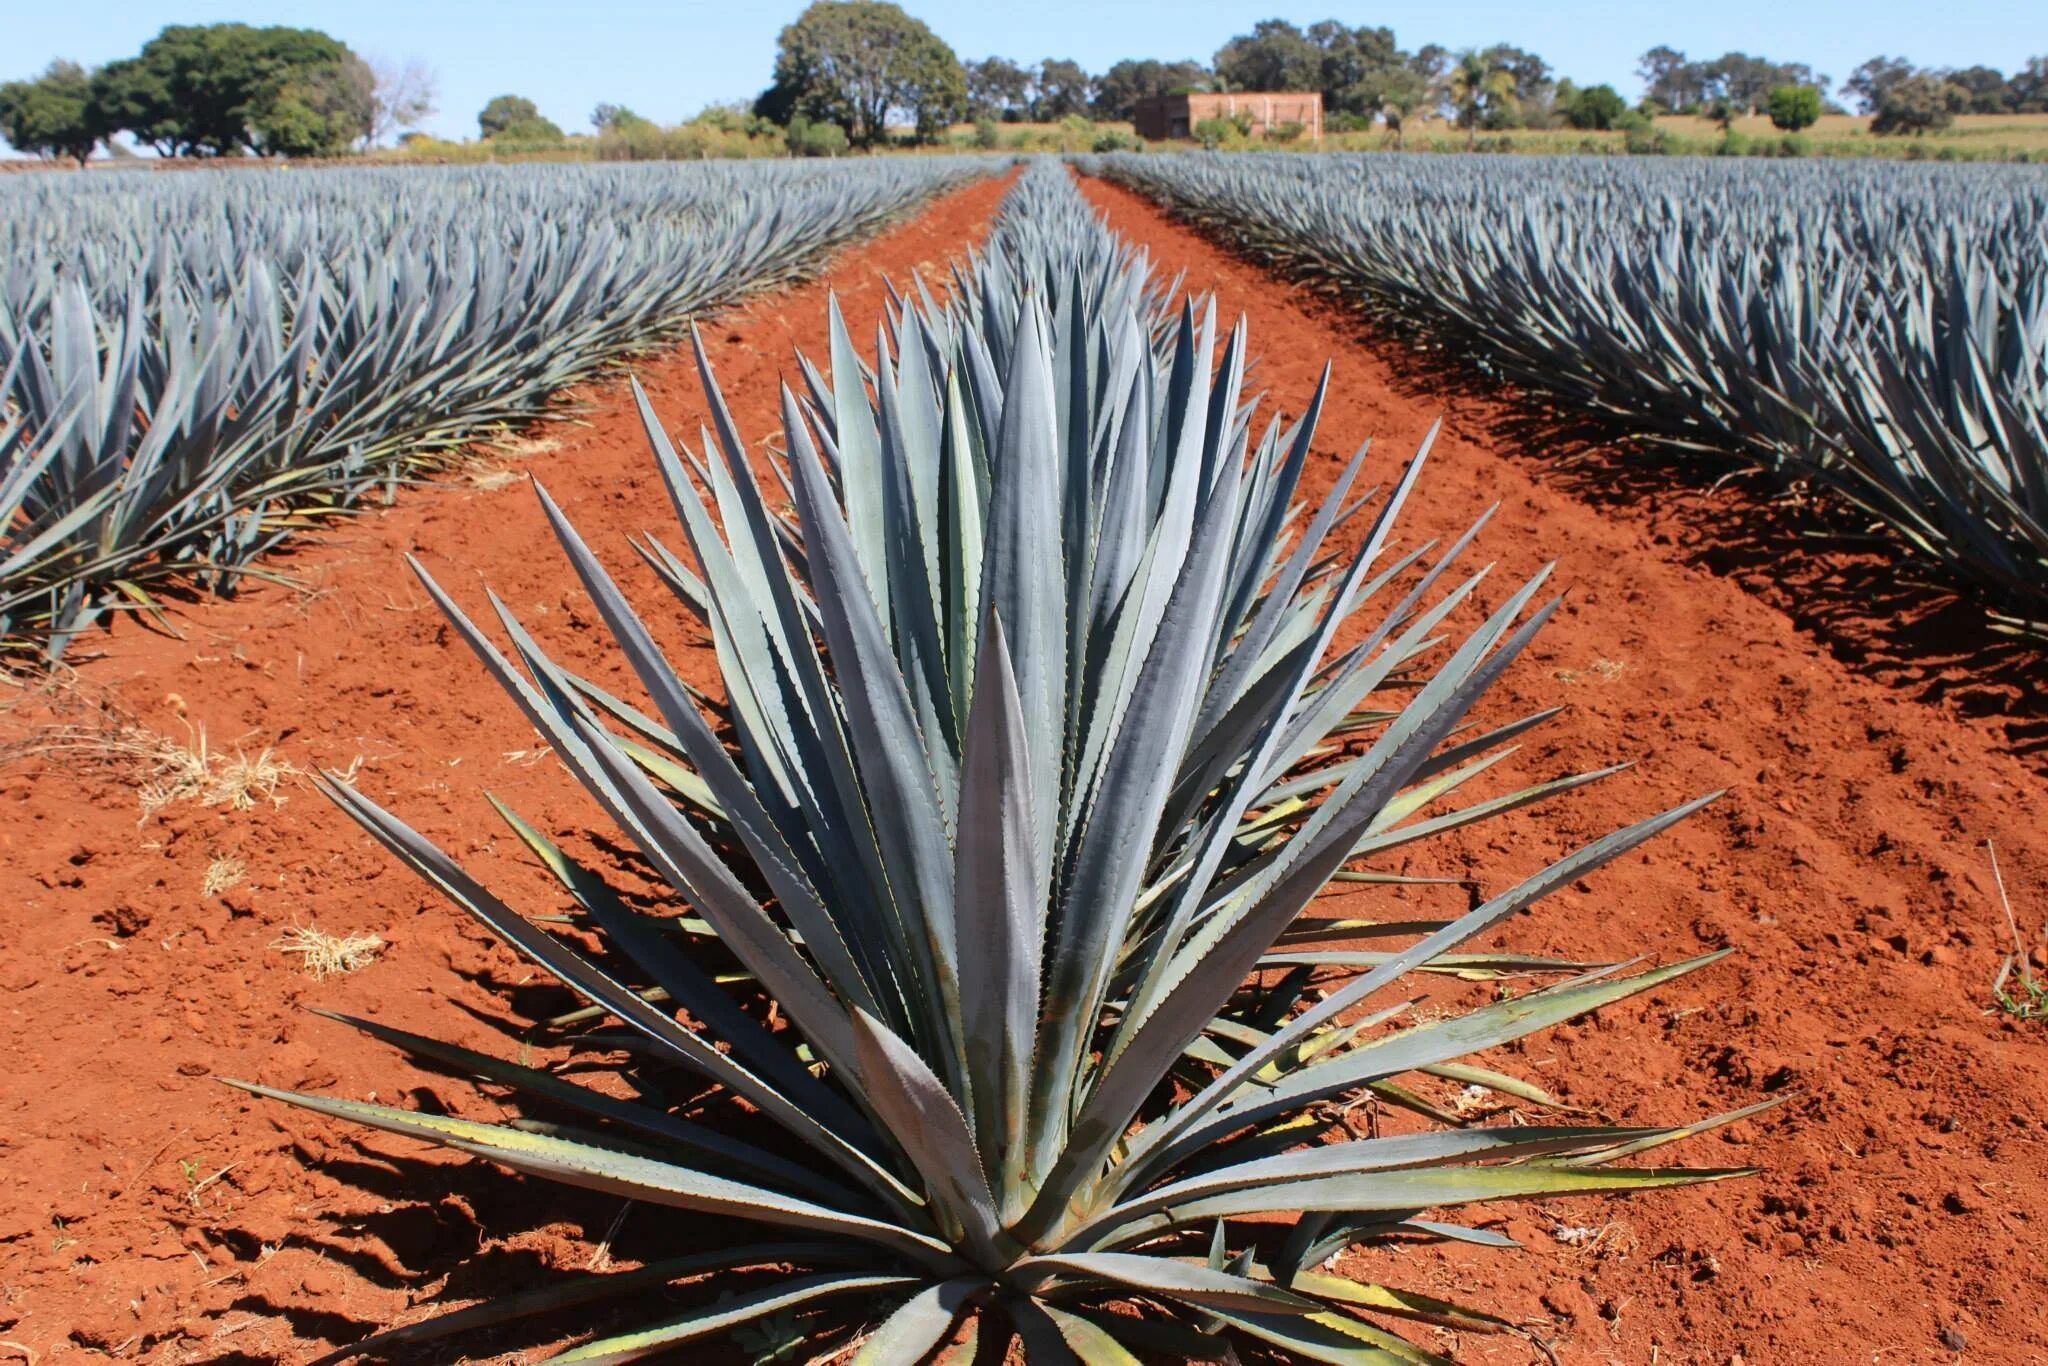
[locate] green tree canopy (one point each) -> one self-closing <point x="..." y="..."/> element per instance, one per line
<point x="1275" y="55"/>
<point x="858" y="62"/>
<point x="506" y="111"/>
<point x="998" y="88"/>
<point x="1920" y="103"/>
<point x="1875" y="79"/>
<point x="1062" y="88"/>
<point x="1119" y="89"/>
<point x="223" y="89"/>
<point x="1482" y="92"/>
<point x="1793" y="107"/>
<point x="52" y="115"/>
<point x="1597" y="106"/>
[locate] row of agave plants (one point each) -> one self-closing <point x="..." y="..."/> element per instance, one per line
<point x="1879" y="330"/>
<point x="1048" y="703"/>
<point x="192" y="366"/>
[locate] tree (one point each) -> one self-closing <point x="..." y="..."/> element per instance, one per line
<point x="807" y="139"/>
<point x="1275" y="55"/>
<point x="222" y="89"/>
<point x="2027" y="91"/>
<point x="998" y="88"/>
<point x="617" y="119"/>
<point x="1402" y="91"/>
<point x="1986" y="86"/>
<point x="52" y="115"/>
<point x="1062" y="88"/>
<point x="406" y="96"/>
<point x="1353" y="65"/>
<point x="1669" y="79"/>
<point x="1481" y="93"/>
<point x="1920" y="103"/>
<point x="1119" y="89"/>
<point x="857" y="62"/>
<point x="1597" y="106"/>
<point x="318" y="111"/>
<point x="133" y="97"/>
<point x="1875" y="79"/>
<point x="1530" y="88"/>
<point x="506" y="111"/>
<point x="1794" y="107"/>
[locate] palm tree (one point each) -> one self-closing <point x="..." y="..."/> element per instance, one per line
<point x="1477" y="88"/>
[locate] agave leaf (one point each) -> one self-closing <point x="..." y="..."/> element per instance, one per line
<point x="1001" y="909"/>
<point x="1089" y="1340"/>
<point x="719" y="1318"/>
<point x="1333" y="1338"/>
<point x="579" y="1291"/>
<point x="618" y="1173"/>
<point x="645" y="1119"/>
<point x="916" y="1108"/>
<point x="1186" y="1281"/>
<point x="921" y="1324"/>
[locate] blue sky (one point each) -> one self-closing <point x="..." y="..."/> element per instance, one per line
<point x="668" y="58"/>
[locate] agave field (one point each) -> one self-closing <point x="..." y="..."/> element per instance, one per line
<point x="1060" y="797"/>
<point x="1881" y="331"/>
<point x="995" y="807"/>
<point x="191" y="369"/>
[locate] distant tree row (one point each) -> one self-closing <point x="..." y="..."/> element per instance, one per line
<point x="219" y="90"/>
<point x="866" y="65"/>
<point x="1903" y="98"/>
<point x="847" y="72"/>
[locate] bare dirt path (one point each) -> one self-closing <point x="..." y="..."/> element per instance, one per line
<point x="150" y="1213"/>
<point x="1901" y="1212"/>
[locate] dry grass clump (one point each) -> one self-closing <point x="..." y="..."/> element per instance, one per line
<point x="59" y="717"/>
<point x="192" y="772"/>
<point x="223" y="872"/>
<point x="325" y="955"/>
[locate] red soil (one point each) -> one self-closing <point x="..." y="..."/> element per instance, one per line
<point x="1847" y="866"/>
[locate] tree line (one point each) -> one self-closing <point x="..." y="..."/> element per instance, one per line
<point x="858" y="72"/>
<point x="866" y="66"/>
<point x="217" y="90"/>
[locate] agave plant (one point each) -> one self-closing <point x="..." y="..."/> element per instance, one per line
<point x="200" y="367"/>
<point x="1049" y="707"/>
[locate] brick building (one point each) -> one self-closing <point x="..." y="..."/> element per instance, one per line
<point x="1161" y="117"/>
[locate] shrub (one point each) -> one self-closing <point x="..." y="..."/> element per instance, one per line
<point x="986" y="135"/>
<point x="1285" y="132"/>
<point x="1794" y="107"/>
<point x="530" y="131"/>
<point x="1919" y="104"/>
<point x="1116" y="140"/>
<point x="807" y="139"/>
<point x="1640" y="134"/>
<point x="506" y="112"/>
<point x="1597" y="106"/>
<point x="1214" y="133"/>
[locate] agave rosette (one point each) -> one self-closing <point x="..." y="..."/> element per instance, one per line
<point x="1050" y="705"/>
